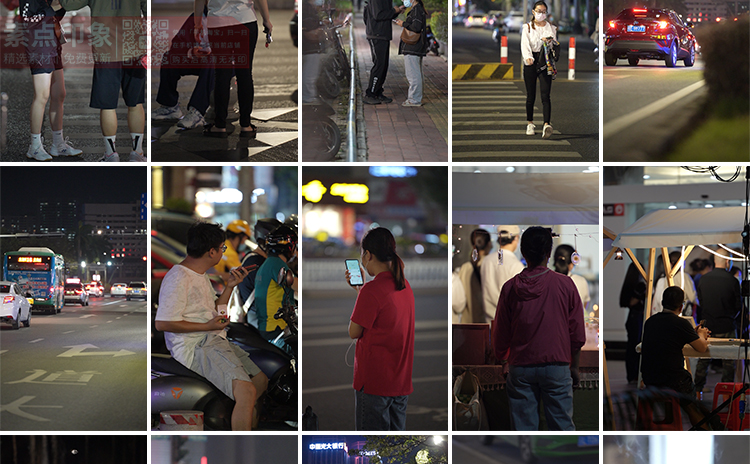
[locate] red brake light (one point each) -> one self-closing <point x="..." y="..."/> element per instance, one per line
<point x="639" y="10"/>
<point x="613" y="24"/>
<point x="7" y="299"/>
<point x="663" y="24"/>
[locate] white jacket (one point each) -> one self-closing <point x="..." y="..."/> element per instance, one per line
<point x="494" y="275"/>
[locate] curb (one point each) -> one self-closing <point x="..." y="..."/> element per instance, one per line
<point x="483" y="72"/>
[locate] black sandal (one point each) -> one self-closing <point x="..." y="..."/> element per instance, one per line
<point x="249" y="134"/>
<point x="209" y="133"/>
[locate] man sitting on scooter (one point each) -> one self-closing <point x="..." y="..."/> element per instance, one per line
<point x="270" y="295"/>
<point x="194" y="322"/>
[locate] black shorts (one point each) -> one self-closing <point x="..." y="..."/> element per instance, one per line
<point x="109" y="78"/>
<point x="43" y="49"/>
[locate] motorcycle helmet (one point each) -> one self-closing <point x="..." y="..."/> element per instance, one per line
<point x="262" y="228"/>
<point x="282" y="241"/>
<point x="239" y="226"/>
<point x="291" y="221"/>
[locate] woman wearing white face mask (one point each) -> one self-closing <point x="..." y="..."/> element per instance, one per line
<point x="535" y="35"/>
<point x="415" y="22"/>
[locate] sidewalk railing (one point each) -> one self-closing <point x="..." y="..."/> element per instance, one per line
<point x="351" y="125"/>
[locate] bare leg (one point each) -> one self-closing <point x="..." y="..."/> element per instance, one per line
<point x="108" y="122"/>
<point x="57" y="98"/>
<point x="244" y="397"/>
<point x="136" y="119"/>
<point x="41" y="84"/>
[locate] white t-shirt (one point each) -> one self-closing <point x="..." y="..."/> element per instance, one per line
<point x="531" y="39"/>
<point x="222" y="13"/>
<point x="494" y="275"/>
<point x="661" y="285"/>
<point x="582" y="285"/>
<point x="188" y="296"/>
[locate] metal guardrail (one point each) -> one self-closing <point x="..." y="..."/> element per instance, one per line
<point x="351" y="124"/>
<point x="328" y="274"/>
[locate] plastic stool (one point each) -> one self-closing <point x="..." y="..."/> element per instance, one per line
<point x="731" y="416"/>
<point x="672" y="414"/>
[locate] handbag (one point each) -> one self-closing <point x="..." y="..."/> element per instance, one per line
<point x="410" y="38"/>
<point x="468" y="410"/>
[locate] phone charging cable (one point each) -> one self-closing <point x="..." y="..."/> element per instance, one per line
<point x="346" y="356"/>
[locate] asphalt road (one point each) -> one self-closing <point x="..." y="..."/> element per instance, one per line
<point x="327" y="381"/>
<point x="489" y="118"/>
<point x="650" y="100"/>
<point x="274" y="111"/>
<point x="82" y="369"/>
<point x="469" y="449"/>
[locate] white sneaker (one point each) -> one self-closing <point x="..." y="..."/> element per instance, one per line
<point x="192" y="119"/>
<point x="547" y="131"/>
<point x="64" y="149"/>
<point x="113" y="158"/>
<point x="530" y="129"/>
<point x="38" y="153"/>
<point x="136" y="157"/>
<point x="410" y="103"/>
<point x="167" y="112"/>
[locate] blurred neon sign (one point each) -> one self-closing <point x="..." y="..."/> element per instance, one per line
<point x="393" y="171"/>
<point x="327" y="446"/>
<point x="313" y="191"/>
<point x="352" y="193"/>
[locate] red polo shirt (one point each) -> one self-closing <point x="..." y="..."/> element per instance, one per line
<point x="385" y="351"/>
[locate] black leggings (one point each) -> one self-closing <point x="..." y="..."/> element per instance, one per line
<point x="530" y="75"/>
<point x="234" y="44"/>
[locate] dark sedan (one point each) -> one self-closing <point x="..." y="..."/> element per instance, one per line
<point x="649" y="34"/>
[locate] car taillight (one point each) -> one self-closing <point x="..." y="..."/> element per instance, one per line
<point x="613" y="24"/>
<point x="639" y="10"/>
<point x="79" y="291"/>
<point x="663" y="24"/>
<point x="7" y="299"/>
<point x="128" y="289"/>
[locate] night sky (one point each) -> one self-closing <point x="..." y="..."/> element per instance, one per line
<point x="21" y="188"/>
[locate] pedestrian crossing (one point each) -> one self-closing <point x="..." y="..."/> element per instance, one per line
<point x="489" y="124"/>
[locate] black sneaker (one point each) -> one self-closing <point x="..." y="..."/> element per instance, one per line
<point x="384" y="99"/>
<point x="371" y="100"/>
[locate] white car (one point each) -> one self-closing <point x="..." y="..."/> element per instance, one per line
<point x="118" y="289"/>
<point x="136" y="290"/>
<point x="513" y="21"/>
<point x="16" y="308"/>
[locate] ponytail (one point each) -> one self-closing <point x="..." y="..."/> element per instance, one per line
<point x="382" y="245"/>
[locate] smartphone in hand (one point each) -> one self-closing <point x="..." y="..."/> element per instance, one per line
<point x="355" y="274"/>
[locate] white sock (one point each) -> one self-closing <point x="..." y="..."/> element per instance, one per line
<point x="137" y="140"/>
<point x="57" y="137"/>
<point x="36" y="140"/>
<point x="109" y="145"/>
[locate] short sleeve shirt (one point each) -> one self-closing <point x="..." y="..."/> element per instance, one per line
<point x="664" y="336"/>
<point x="385" y="352"/>
<point x="269" y="295"/>
<point x="188" y="296"/>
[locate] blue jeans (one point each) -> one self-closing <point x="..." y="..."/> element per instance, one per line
<point x="382" y="413"/>
<point x="553" y="385"/>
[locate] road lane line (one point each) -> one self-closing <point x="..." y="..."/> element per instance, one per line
<point x="348" y="386"/>
<point x="3" y="351"/>
<point x="37" y="340"/>
<point x="68" y="332"/>
<point x="473" y="452"/>
<point x="615" y="126"/>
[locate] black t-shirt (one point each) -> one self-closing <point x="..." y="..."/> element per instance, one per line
<point x="664" y="336"/>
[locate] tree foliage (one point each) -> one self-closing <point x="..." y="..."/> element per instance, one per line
<point x="402" y="449"/>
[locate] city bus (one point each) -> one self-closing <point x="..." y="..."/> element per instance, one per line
<point x="39" y="271"/>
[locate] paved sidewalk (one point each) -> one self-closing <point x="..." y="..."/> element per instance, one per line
<point x="397" y="133"/>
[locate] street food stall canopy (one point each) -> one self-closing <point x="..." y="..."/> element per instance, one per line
<point x="684" y="227"/>
<point x="553" y="199"/>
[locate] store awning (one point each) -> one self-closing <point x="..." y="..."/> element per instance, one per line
<point x="543" y="199"/>
<point x="683" y="227"/>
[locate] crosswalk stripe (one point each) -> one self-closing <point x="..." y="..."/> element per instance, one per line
<point x="496" y="132"/>
<point x="527" y="142"/>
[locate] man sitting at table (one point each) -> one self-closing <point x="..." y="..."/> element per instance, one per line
<point x="664" y="336"/>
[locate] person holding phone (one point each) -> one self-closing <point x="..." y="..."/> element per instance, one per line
<point x="382" y="322"/>
<point x="536" y="34"/>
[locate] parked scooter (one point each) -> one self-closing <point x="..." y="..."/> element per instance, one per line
<point x="174" y="387"/>
<point x="432" y="44"/>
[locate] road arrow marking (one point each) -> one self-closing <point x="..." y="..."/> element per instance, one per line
<point x="77" y="350"/>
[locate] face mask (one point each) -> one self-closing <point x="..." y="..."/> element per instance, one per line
<point x="540" y="16"/>
<point x="407" y="3"/>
